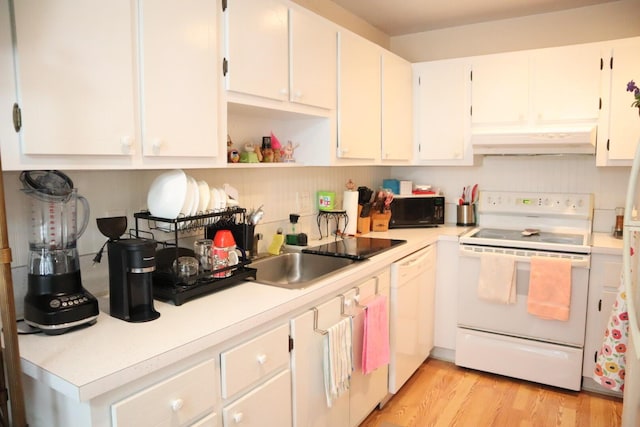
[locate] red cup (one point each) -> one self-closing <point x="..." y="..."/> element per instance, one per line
<point x="224" y="239"/>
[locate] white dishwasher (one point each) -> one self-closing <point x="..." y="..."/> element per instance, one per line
<point x="411" y="314"/>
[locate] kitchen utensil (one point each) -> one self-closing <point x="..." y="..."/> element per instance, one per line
<point x="167" y="194"/>
<point x="474" y="193"/>
<point x="53" y="273"/>
<point x="112" y="227"/>
<point x="256" y="216"/>
<point x="366" y="210"/>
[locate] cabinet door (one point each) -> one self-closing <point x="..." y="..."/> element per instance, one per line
<point x="604" y="279"/>
<point x="624" y="123"/>
<point x="268" y="404"/>
<point x="257" y="43"/>
<point x="179" y="103"/>
<point x="442" y="109"/>
<point x="565" y="84"/>
<point x="500" y="90"/>
<point x="309" y="401"/>
<point x="8" y="136"/>
<point x="358" y="98"/>
<point x="313" y="60"/>
<point x="397" y="98"/>
<point x="365" y="391"/>
<point x="76" y="74"/>
<point x="446" y="297"/>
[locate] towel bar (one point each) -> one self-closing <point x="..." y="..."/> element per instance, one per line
<point x="315" y="322"/>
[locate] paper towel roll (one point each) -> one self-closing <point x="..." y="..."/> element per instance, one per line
<point x="350" y="205"/>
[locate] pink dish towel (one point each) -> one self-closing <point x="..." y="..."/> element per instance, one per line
<point x="375" y="341"/>
<point x="550" y="288"/>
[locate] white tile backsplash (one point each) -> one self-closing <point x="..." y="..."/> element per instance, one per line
<point x="278" y="189"/>
<point x="567" y="173"/>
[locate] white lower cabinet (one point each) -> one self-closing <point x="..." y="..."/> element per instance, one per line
<point x="269" y="404"/>
<point x="256" y="381"/>
<point x="310" y="408"/>
<point x="604" y="280"/>
<point x="177" y="401"/>
<point x="446" y="298"/>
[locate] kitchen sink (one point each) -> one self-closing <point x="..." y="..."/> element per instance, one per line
<point x="297" y="270"/>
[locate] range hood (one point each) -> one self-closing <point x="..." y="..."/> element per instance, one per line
<point x="552" y="140"/>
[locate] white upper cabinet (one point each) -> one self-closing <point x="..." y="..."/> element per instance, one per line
<point x="8" y="136"/>
<point x="179" y="103"/>
<point x="76" y="77"/>
<point x="500" y="90"/>
<point x="257" y="48"/>
<point x="397" y="117"/>
<point x="276" y="51"/>
<point x="313" y="60"/>
<point x="619" y="127"/>
<point x="537" y="88"/>
<point x="442" y="112"/>
<point x="565" y="84"/>
<point x="359" y="98"/>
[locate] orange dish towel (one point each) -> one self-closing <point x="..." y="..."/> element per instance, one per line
<point x="550" y="288"/>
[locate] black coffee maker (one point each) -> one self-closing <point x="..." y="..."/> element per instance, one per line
<point x="131" y="266"/>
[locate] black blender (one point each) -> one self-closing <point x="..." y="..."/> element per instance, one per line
<point x="55" y="301"/>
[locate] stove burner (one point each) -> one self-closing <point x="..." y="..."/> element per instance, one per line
<point x="516" y="235"/>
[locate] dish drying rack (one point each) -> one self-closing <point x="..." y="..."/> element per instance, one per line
<point x="167" y="285"/>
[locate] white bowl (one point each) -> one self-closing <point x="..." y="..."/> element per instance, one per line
<point x="205" y="195"/>
<point x="167" y="194"/>
<point x="223" y="198"/>
<point x="185" y="210"/>
<point x="214" y="200"/>
<point x="195" y="193"/>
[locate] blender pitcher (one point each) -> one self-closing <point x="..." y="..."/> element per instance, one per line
<point x="54" y="225"/>
<point x="55" y="300"/>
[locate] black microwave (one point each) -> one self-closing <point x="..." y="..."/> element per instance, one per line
<point x="417" y="211"/>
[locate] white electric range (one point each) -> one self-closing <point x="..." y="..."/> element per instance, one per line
<point x="505" y="338"/>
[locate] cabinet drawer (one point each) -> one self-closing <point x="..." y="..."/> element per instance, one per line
<point x="249" y="362"/>
<point x="268" y="404"/>
<point x="176" y="401"/>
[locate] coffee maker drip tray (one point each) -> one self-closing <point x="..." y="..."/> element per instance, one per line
<point x="167" y="286"/>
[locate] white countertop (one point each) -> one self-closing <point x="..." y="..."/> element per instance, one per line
<point x="605" y="243"/>
<point x="88" y="362"/>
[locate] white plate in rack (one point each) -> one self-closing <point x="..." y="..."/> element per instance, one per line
<point x="167" y="194"/>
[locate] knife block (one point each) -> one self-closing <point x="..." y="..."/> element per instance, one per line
<point x="364" y="224"/>
<point x="380" y="221"/>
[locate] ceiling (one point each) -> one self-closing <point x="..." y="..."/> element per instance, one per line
<point x="396" y="18"/>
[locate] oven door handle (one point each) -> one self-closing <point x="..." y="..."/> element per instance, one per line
<point x="525" y="255"/>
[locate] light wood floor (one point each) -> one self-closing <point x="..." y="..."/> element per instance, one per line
<point x="442" y="394"/>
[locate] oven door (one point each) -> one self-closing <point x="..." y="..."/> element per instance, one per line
<point x="513" y="319"/>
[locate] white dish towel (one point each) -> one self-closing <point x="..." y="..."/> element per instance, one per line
<point x="338" y="359"/>
<point x="497" y="281"/>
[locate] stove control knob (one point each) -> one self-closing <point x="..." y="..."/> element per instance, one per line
<point x="54" y="303"/>
<point x="568" y="202"/>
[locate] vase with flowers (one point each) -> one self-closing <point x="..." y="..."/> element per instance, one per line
<point x="631" y="87"/>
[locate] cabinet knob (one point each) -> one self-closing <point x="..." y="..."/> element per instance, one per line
<point x="156" y="145"/>
<point x="284" y="91"/>
<point x="262" y="359"/>
<point x="237" y="417"/>
<point x="176" y="405"/>
<point x="297" y="94"/>
<point x="126" y="143"/>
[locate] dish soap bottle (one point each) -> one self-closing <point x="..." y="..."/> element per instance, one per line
<point x="276" y="243"/>
<point x="292" y="239"/>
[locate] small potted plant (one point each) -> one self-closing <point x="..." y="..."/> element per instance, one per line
<point x="631" y="87"/>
